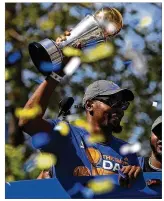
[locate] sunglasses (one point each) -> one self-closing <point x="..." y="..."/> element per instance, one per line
<point x="114" y="101"/>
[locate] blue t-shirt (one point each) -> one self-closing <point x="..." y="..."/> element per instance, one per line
<point x="77" y="157"/>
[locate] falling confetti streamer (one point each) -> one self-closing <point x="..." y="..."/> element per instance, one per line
<point x="154" y="104"/>
<point x="145" y="21"/>
<point x="63" y="128"/>
<point x="101" y="51"/>
<point x="45" y="160"/>
<point x="100" y="186"/>
<point x="125" y="149"/>
<point x="72" y="65"/>
<point x="40" y="139"/>
<point x="28" y="113"/>
<point x="136" y="147"/>
<point x="71" y="52"/>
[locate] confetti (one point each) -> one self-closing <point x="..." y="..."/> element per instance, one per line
<point x="8" y="183"/>
<point x="10" y="178"/>
<point x="28" y="113"/>
<point x="83" y="124"/>
<point x="136" y="147"/>
<point x="72" y="65"/>
<point x="125" y="149"/>
<point x="145" y="21"/>
<point x="100" y="186"/>
<point x="155" y="104"/>
<point x="48" y="67"/>
<point x="71" y="51"/>
<point x="101" y="51"/>
<point x="45" y="160"/>
<point x="40" y="139"/>
<point x="63" y="128"/>
<point x="30" y="164"/>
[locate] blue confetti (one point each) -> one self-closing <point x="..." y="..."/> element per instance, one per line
<point x="40" y="139"/>
<point x="38" y="81"/>
<point x="48" y="67"/>
<point x="30" y="164"/>
<point x="127" y="63"/>
<point x="14" y="57"/>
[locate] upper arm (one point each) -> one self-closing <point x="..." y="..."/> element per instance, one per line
<point x="39" y="125"/>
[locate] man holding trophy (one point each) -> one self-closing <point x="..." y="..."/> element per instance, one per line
<point x="104" y="103"/>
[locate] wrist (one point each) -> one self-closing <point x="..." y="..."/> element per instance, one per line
<point x="50" y="80"/>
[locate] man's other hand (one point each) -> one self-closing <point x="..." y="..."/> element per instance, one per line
<point x="131" y="173"/>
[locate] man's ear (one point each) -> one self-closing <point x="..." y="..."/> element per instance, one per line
<point x="89" y="106"/>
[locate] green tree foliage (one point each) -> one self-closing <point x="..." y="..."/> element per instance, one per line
<point x="28" y="22"/>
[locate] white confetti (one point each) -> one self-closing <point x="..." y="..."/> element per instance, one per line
<point x="72" y="65"/>
<point x="125" y="149"/>
<point x="154" y="104"/>
<point x="136" y="147"/>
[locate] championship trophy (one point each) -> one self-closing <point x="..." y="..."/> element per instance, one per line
<point x="105" y="23"/>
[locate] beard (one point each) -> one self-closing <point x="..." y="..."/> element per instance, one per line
<point x="157" y="154"/>
<point x="112" y="123"/>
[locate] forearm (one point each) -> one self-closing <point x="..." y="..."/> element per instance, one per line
<point x="41" y="98"/>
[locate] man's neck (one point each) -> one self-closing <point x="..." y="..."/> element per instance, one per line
<point x="97" y="130"/>
<point x="154" y="161"/>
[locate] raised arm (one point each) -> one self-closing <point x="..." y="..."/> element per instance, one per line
<point x="41" y="97"/>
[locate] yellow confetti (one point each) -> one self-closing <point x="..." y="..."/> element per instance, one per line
<point x="83" y="124"/>
<point x="100" y="186"/>
<point x="96" y="138"/>
<point x="45" y="160"/>
<point x="101" y="51"/>
<point x="145" y="21"/>
<point x="71" y="51"/>
<point x="63" y="128"/>
<point x="28" y="113"/>
<point x="10" y="178"/>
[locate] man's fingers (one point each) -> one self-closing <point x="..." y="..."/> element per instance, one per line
<point x="138" y="170"/>
<point x="123" y="168"/>
<point x="131" y="172"/>
<point x="127" y="169"/>
<point x="58" y="40"/>
<point x="67" y="33"/>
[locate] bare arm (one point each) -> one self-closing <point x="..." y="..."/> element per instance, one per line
<point x="40" y="97"/>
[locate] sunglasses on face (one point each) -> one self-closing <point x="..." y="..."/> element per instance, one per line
<point x="114" y="101"/>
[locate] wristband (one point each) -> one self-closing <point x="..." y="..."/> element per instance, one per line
<point x="56" y="77"/>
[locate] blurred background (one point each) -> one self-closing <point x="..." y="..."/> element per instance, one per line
<point x="135" y="62"/>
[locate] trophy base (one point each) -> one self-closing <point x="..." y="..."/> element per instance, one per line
<point x="46" y="56"/>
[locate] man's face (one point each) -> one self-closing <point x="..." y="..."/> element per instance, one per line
<point x="156" y="144"/>
<point x="108" y="117"/>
